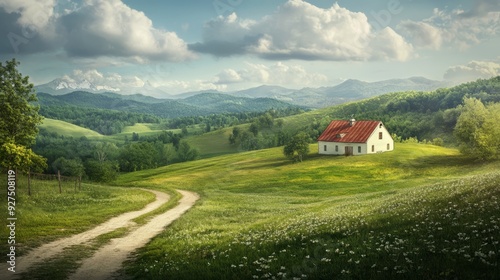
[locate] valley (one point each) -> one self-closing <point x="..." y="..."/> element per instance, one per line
<point x="423" y="210"/>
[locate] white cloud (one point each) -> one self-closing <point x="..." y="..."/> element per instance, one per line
<point x="299" y="30"/>
<point x="33" y="13"/>
<point x="275" y="74"/>
<point x="472" y="71"/>
<point x="423" y="34"/>
<point x="228" y="76"/>
<point x="111" y="28"/>
<point x="179" y="86"/>
<point x="104" y="81"/>
<point x="91" y="29"/>
<point x="456" y="28"/>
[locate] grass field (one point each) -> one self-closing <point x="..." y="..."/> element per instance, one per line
<point x="68" y="129"/>
<point x="47" y="215"/>
<point x="420" y="212"/>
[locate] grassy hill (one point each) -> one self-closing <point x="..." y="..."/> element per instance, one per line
<point x="420" y="212"/>
<point x="198" y="105"/>
<point x="424" y="115"/>
<point x="68" y="129"/>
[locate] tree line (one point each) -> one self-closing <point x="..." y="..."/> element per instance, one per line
<point x="103" y="161"/>
<point x="219" y="121"/>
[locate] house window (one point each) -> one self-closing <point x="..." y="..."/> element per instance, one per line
<point x="380" y="135"/>
<point x="336" y="148"/>
<point x="388" y="146"/>
<point x="380" y="126"/>
<point x="359" y="149"/>
<point x="324" y="148"/>
<point x="373" y="148"/>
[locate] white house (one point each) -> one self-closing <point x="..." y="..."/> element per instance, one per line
<point x="355" y="138"/>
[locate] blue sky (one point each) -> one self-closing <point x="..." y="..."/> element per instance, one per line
<point x="181" y="46"/>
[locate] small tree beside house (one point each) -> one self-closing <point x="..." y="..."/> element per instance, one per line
<point x="297" y="147"/>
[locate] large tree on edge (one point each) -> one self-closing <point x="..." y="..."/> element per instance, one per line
<point x="477" y="129"/>
<point x="19" y="120"/>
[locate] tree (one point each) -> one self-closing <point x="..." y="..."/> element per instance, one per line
<point x="298" y="145"/>
<point x="19" y="119"/>
<point x="233" y="138"/>
<point x="254" y="128"/>
<point x="477" y="130"/>
<point x="106" y="171"/>
<point x="69" y="167"/>
<point x="186" y="153"/>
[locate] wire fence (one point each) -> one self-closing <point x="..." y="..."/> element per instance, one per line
<point x="33" y="183"/>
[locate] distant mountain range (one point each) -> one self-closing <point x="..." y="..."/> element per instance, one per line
<point x="198" y="105"/>
<point x="349" y="90"/>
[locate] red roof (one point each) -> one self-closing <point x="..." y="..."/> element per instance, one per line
<point x="342" y="131"/>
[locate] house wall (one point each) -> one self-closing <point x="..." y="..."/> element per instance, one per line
<point x="380" y="145"/>
<point x="330" y="148"/>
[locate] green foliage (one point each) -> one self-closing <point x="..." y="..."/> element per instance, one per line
<point x="19" y="157"/>
<point x="200" y="105"/>
<point x="235" y="135"/>
<point x="297" y="146"/>
<point x="186" y="152"/>
<point x="218" y="121"/>
<point x="106" y="122"/>
<point x="254" y="129"/>
<point x="68" y="167"/>
<point x="101" y="171"/>
<point x="19" y="119"/>
<point x="437" y="142"/>
<point x="137" y="156"/>
<point x="477" y="129"/>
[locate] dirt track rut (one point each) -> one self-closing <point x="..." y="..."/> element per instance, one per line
<point x="109" y="258"/>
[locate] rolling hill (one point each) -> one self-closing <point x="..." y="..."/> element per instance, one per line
<point x="349" y="90"/>
<point x="416" y="212"/>
<point x="68" y="129"/>
<point x="198" y="105"/>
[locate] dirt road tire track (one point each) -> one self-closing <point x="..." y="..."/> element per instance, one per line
<point x="54" y="248"/>
<point x="107" y="260"/>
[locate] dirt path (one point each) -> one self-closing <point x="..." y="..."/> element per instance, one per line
<point x="109" y="258"/>
<point x="134" y="240"/>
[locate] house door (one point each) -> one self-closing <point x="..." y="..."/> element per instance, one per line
<point x="349" y="151"/>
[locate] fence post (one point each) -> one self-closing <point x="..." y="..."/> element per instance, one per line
<point x="59" y="179"/>
<point x="29" y="182"/>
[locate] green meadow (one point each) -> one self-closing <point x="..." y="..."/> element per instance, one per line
<point x="46" y="214"/>
<point x="420" y="212"/>
<point x="68" y="129"/>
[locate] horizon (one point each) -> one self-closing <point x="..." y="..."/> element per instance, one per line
<point x="166" y="95"/>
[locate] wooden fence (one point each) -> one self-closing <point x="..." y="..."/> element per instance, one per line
<point x="48" y="181"/>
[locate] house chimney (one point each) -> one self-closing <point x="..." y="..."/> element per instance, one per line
<point x="352" y="122"/>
